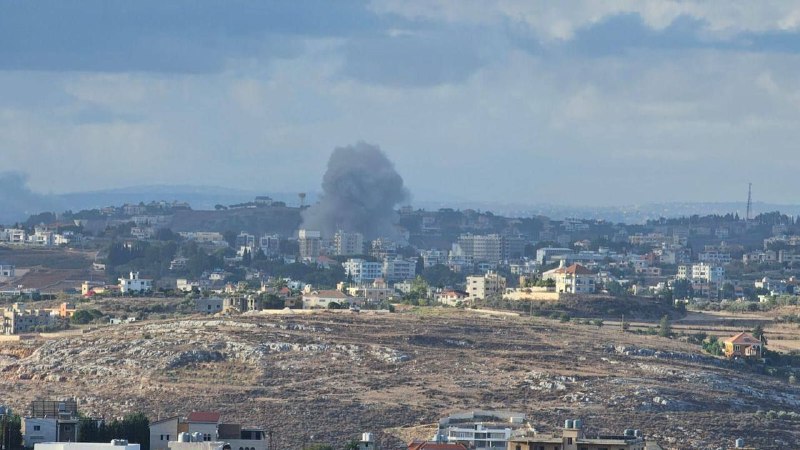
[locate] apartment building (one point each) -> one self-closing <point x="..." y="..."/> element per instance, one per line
<point x="399" y="269"/>
<point x="706" y="272"/>
<point x="490" y="284"/>
<point x="491" y="248"/>
<point x="544" y="255"/>
<point x="50" y="421"/>
<point x="17" y="319"/>
<point x="361" y="271"/>
<point x="310" y="243"/>
<point x="348" y="244"/>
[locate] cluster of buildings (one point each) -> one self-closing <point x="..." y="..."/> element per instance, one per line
<point x="19" y="318"/>
<point x="40" y="237"/>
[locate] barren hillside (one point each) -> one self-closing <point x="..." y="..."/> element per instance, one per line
<point x="332" y="375"/>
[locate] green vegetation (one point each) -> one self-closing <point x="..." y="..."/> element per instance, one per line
<point x="133" y="427"/>
<point x="665" y="327"/>
<point x="13" y="432"/>
<point x="84" y="316"/>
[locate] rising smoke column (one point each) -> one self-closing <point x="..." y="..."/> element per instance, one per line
<point x="17" y="201"/>
<point x="360" y="191"/>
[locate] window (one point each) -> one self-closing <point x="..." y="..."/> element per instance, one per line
<point x="37" y="428"/>
<point x="569" y="441"/>
<point x="162" y="437"/>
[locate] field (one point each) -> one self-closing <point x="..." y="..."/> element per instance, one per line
<point x="334" y="375"/>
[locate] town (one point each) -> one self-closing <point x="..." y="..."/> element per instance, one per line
<point x="68" y="274"/>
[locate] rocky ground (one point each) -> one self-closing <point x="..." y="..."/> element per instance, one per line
<point x="327" y="377"/>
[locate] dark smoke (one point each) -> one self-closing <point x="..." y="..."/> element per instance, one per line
<point x="17" y="201"/>
<point x="360" y="191"/>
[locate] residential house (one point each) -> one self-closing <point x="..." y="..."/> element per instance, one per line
<point x="135" y="284"/>
<point x="429" y="445"/>
<point x="743" y="345"/>
<point x="575" y="279"/>
<point x="17" y="319"/>
<point x="480" y="429"/>
<point x="208" y="305"/>
<point x="116" y="444"/>
<point x="451" y="297"/>
<point x="7" y="272"/>
<point x="361" y="271"/>
<point x="50" y="421"/>
<point x="322" y="299"/>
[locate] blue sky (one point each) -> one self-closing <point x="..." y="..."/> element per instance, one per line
<point x="568" y="102"/>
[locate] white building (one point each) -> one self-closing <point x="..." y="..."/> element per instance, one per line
<point x="204" y="431"/>
<point x="399" y="269"/>
<point x="432" y="258"/>
<point x="480" y="429"/>
<point x="7" y="271"/>
<point x="134" y="284"/>
<point x="704" y="272"/>
<point x="544" y="255"/>
<point x="480" y="287"/>
<point x="119" y="444"/>
<point x="361" y="271"/>
<point x="270" y="244"/>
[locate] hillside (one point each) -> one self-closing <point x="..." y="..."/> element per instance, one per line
<point x="335" y="374"/>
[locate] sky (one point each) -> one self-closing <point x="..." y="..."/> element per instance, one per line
<point x="569" y="102"/>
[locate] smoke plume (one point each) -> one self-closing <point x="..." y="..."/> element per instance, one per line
<point x="360" y="191"/>
<point x="17" y="201"/>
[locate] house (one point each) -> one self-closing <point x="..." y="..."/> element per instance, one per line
<point x="480" y="429"/>
<point x="7" y="271"/>
<point x="134" y="284"/>
<point x="575" y="279"/>
<point x="208" y="305"/>
<point x="18" y="319"/>
<point x="315" y="299"/>
<point x="205" y="427"/>
<point x="50" y="421"/>
<point x="572" y="437"/>
<point x="451" y="296"/>
<point x="743" y="345"/>
<point x="66" y="310"/>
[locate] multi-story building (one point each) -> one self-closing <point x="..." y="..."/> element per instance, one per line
<point x="544" y="255"/>
<point x="714" y="257"/>
<point x="574" y="279"/>
<point x="572" y="437"/>
<point x="490" y="284"/>
<point x="50" y="421"/>
<point x="480" y="429"/>
<point x="399" y="269"/>
<point x="348" y="244"/>
<point x="361" y="271"/>
<point x="17" y="319"/>
<point x="491" y="248"/>
<point x="310" y="243"/>
<point x="432" y="258"/>
<point x="270" y="244"/>
<point x="706" y="272"/>
<point x="135" y="284"/>
<point x="208" y="428"/>
<point x="204" y="237"/>
<point x="7" y="271"/>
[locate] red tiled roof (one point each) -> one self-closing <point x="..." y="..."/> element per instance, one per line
<point x="575" y="269"/>
<point x="204" y="417"/>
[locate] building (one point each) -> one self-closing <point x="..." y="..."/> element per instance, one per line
<point x="117" y="444"/>
<point x="743" y="345"/>
<point x="574" y="279"/>
<point x="399" y="269"/>
<point x="322" y="299"/>
<point x="432" y="258"/>
<point x="480" y="429"/>
<point x="208" y="305"/>
<point x="7" y="271"/>
<point x="270" y="245"/>
<point x="310" y="243"/>
<point x="17" y="319"/>
<point x="205" y="430"/>
<point x="544" y="255"/>
<point x="378" y="291"/>
<point x="361" y="271"/>
<point x="451" y="297"/>
<point x="134" y="284"/>
<point x="50" y="421"/>
<point x="66" y="310"/>
<point x="572" y="437"/>
<point x="480" y="287"/>
<point x="348" y="244"/>
<point x="702" y="271"/>
<point x="482" y="248"/>
<point x="714" y="257"/>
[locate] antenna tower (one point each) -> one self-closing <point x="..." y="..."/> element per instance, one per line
<point x="749" y="201"/>
<point x="302" y="196"/>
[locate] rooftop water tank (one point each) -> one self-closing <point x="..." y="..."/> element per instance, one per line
<point x="184" y="437"/>
<point x="366" y="437"/>
<point x="568" y="424"/>
<point x="577" y="424"/>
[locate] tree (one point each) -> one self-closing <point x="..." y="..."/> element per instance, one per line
<point x="728" y="291"/>
<point x="758" y="331"/>
<point x="682" y="289"/>
<point x="136" y="429"/>
<point x="11" y="431"/>
<point x="665" y="327"/>
<point x="616" y="289"/>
